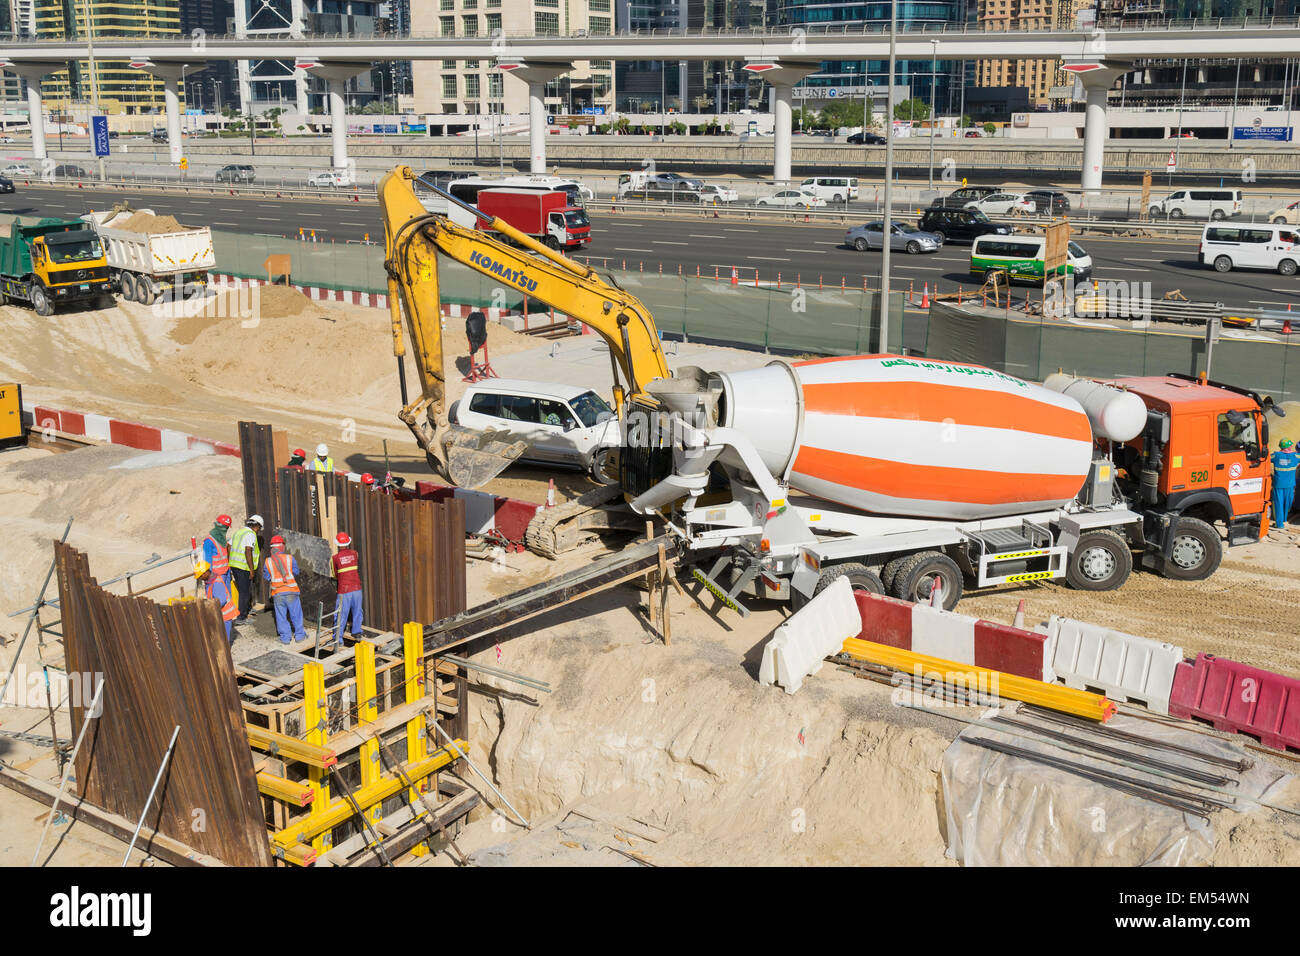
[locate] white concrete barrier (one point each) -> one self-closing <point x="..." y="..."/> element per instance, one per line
<point x="821" y="627"/>
<point x="1121" y="665"/>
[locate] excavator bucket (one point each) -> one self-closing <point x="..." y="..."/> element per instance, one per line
<point x="473" y="458"/>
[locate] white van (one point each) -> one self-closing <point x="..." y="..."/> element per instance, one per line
<point x="1021" y="258"/>
<point x="831" y="188"/>
<point x="1213" y="204"/>
<point x="1256" y="246"/>
<point x="562" y="424"/>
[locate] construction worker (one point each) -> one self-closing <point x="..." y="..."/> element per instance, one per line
<point x="216" y="550"/>
<point x="368" y="480"/>
<point x="347" y="573"/>
<point x="281" y="570"/>
<point x="245" y="552"/>
<point x="298" y="459"/>
<point x="322" y="461"/>
<point x="216" y="587"/>
<point x="1284" y="465"/>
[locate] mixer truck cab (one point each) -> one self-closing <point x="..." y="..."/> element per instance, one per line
<point x="52" y="262"/>
<point x="908" y="475"/>
<point x="1202" y="458"/>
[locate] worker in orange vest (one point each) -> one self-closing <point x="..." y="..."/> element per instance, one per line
<point x="217" y="589"/>
<point x="281" y="570"/>
<point x="216" y="549"/>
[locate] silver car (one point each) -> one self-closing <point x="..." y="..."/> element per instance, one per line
<point x="903" y="238"/>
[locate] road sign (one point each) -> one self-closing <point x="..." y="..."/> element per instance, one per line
<point x="185" y="163"/>
<point x="594" y="110"/>
<point x="1173" y="161"/>
<point x="550" y="119"/>
<point x="99" y="133"/>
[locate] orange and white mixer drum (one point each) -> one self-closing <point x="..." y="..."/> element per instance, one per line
<point x="910" y="436"/>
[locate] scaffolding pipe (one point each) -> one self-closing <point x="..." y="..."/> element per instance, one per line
<point x="34" y="609"/>
<point x="464" y="756"/>
<point x="152" y="790"/>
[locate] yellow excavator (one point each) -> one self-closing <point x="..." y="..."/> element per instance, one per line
<point x="413" y="240"/>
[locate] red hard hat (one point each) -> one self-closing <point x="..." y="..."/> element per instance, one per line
<point x="342" y="538"/>
<point x="367" y="479"/>
<point x="277" y="540"/>
<point x="300" y="453"/>
<point x="223" y="520"/>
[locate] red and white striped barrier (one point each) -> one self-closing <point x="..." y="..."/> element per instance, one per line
<point x="375" y="300"/>
<point x="955" y="637"/>
<point x="115" y="431"/>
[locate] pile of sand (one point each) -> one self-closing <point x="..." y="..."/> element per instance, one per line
<point x="147" y="222"/>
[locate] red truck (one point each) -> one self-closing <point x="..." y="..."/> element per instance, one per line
<point x="543" y="214"/>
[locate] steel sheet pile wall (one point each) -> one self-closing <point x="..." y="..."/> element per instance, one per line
<point x="412" y="552"/>
<point x="257" y="454"/>
<point x="162" y="666"/>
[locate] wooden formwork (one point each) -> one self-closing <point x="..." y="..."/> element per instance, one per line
<point x="366" y="720"/>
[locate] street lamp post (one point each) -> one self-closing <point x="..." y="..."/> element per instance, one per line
<point x="1232" y="125"/>
<point x="887" y="233"/>
<point x="934" y="64"/>
<point x="1178" y="143"/>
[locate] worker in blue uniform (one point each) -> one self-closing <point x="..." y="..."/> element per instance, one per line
<point x="1285" y="461"/>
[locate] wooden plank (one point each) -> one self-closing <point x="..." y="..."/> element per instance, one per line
<point x="156" y="844"/>
<point x="419" y="830"/>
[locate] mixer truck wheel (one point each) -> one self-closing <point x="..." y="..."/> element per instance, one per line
<point x="1196" y="553"/>
<point x="889" y="573"/>
<point x="919" y="573"/>
<point x="1101" y="561"/>
<point x="861" y="578"/>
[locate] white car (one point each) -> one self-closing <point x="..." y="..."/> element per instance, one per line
<point x="562" y="424"/>
<point x="331" y="177"/>
<point x="17" y="169"/>
<point x="1004" y="204"/>
<point x="6" y="139"/>
<point x="792" y="197"/>
<point x="709" y="193"/>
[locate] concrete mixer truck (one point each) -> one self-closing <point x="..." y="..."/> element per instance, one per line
<point x="906" y="474"/>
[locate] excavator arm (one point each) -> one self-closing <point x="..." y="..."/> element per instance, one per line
<point x="413" y="240"/>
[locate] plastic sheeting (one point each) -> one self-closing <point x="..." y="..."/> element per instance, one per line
<point x="1005" y="810"/>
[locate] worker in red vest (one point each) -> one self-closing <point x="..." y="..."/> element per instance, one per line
<point x="216" y="549"/>
<point x="281" y="570"/>
<point x="217" y="588"/>
<point x="347" y="572"/>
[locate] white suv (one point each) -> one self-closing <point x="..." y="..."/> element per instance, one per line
<point x="831" y="188"/>
<point x="562" y="424"/>
<point x="1213" y="204"/>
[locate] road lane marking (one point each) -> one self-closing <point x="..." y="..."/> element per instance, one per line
<point x="768" y="258"/>
<point x="667" y="242"/>
<point x="625" y="249"/>
<point x="694" y="235"/>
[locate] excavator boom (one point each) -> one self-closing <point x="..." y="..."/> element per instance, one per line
<point x="414" y="238"/>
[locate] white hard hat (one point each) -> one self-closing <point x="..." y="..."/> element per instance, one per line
<point x="256" y="519"/>
<point x="322" y="450"/>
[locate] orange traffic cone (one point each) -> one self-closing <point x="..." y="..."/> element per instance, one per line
<point x="936" y="593"/>
<point x="1286" y="327"/>
<point x="1020" y="615"/>
<point x="925" y="297"/>
<point x="735" y="277"/>
<point x="550" y="494"/>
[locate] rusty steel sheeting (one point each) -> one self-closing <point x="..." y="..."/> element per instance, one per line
<point x="163" y="666"/>
<point x="412" y="552"/>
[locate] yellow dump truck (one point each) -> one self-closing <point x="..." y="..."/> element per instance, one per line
<point x="53" y="262"/>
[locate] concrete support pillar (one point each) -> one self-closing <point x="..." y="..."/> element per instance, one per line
<point x="783" y="115"/>
<point x="536" y="75"/>
<point x="338" y="122"/>
<point x="172" y="101"/>
<point x="537" y="126"/>
<point x="242" y="68"/>
<point x="301" y="100"/>
<point x="36" y="116"/>
<point x="336" y="75"/>
<point x="1097" y="79"/>
<point x="782" y="75"/>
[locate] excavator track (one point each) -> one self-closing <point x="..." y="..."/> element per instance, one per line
<point x="562" y="528"/>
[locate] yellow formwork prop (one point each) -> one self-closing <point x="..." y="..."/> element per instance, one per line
<point x="322" y="819"/>
<point x="290" y="748"/>
<point x="290" y="791"/>
<point x="417" y="730"/>
<point x="315" y="718"/>
<point x="367" y="713"/>
<point x="1012" y="687"/>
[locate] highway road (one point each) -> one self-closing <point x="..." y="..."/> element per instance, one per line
<point x="796" y="251"/>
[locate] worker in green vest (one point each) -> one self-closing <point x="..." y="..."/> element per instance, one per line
<point x="322" y="461"/>
<point x="245" y="555"/>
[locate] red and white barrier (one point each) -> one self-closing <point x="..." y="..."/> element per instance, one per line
<point x="375" y="300"/>
<point x="115" y="431"/>
<point x="509" y="519"/>
<point x="955" y="637"/>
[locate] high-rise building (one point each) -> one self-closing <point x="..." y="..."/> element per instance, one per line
<point x="476" y="87"/>
<point x="1036" y="77"/>
<point x="121" y="88"/>
<point x="216" y="82"/>
<point x="920" y="77"/>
